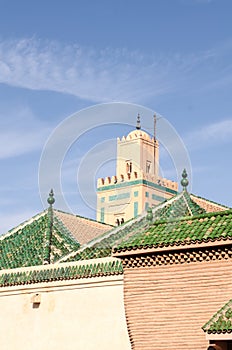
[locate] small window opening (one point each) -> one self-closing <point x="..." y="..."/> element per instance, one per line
<point x="148" y="167"/>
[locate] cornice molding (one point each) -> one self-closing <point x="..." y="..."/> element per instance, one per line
<point x="178" y="257"/>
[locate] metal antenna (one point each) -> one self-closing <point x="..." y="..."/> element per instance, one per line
<point x="155" y="119"/>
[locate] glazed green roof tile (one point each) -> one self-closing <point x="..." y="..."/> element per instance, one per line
<point x="221" y="322"/>
<point x="103" y="246"/>
<point x="25" y="245"/>
<point x="51" y="274"/>
<point x="196" y="229"/>
<point x="182" y="205"/>
<point x="76" y="238"/>
<point x="31" y="243"/>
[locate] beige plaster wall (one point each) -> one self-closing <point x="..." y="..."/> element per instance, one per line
<point x="137" y="148"/>
<point x="86" y="314"/>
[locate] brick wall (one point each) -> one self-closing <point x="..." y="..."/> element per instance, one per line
<point x="167" y="305"/>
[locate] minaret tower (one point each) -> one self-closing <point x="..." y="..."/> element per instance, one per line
<point x="136" y="185"/>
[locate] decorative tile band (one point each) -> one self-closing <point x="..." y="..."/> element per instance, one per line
<point x="61" y="273"/>
<point x="136" y="182"/>
<point x="178" y="257"/>
<point x="157" y="198"/>
<point x="119" y="196"/>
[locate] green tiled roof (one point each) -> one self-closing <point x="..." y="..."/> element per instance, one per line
<point x="181" y="231"/>
<point x="51" y="274"/>
<point x="179" y="206"/>
<point x="102" y="247"/>
<point x="26" y="244"/>
<point x="182" y="206"/>
<point x="221" y="322"/>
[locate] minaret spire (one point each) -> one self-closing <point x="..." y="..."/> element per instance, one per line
<point x="48" y="235"/>
<point x="138" y="125"/>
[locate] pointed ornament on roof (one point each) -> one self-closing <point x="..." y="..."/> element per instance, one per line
<point x="48" y="234"/>
<point x="138" y="125"/>
<point x="149" y="215"/>
<point x="51" y="199"/>
<point x="184" y="181"/>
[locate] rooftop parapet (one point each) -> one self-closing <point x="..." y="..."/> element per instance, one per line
<point x="136" y="176"/>
<point x="113" y="180"/>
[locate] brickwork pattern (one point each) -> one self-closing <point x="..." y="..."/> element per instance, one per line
<point x="167" y="305"/>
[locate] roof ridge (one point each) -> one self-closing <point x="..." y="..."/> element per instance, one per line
<point x="141" y="218"/>
<point x="185" y="200"/>
<point x="210" y="201"/>
<point x="81" y="217"/>
<point x="131" y="222"/>
<point x="65" y="229"/>
<point x="104" y="236"/>
<point x="23" y="224"/>
<point x="169" y="201"/>
<point x="194" y="217"/>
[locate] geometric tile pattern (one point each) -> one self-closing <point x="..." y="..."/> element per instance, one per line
<point x="178" y="257"/>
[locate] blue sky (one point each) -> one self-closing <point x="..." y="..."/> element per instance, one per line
<point x="57" y="58"/>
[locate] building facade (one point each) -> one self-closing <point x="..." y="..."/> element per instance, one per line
<point x="159" y="281"/>
<point x="137" y="184"/>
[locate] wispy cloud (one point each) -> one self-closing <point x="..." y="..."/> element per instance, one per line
<point x="210" y="134"/>
<point x="20" y="133"/>
<point x="99" y="76"/>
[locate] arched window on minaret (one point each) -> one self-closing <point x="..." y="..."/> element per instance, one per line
<point x="148" y="167"/>
<point x="129" y="167"/>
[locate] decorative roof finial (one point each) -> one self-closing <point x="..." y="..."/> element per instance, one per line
<point x="51" y="199"/>
<point x="184" y="181"/>
<point x="149" y="215"/>
<point x="48" y="233"/>
<point x="138" y="125"/>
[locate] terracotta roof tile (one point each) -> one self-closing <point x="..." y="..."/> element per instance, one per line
<point x="83" y="229"/>
<point x="208" y="205"/>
